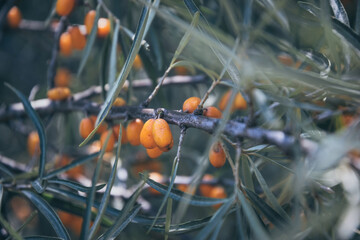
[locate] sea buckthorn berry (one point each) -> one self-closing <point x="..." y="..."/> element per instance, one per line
<point x="191" y="104"/>
<point x="103" y="27"/>
<point x="119" y="102"/>
<point x="146" y="135"/>
<point x="65" y="44"/>
<point x="14" y="17"/>
<point x="64" y="7"/>
<point x="181" y="70"/>
<point x="205" y="189"/>
<point x="58" y="93"/>
<point x="154" y="152"/>
<point x="103" y="126"/>
<point x="62" y="78"/>
<point x="89" y="20"/>
<point x="78" y="40"/>
<point x="217" y="192"/>
<point x="33" y="144"/>
<point x="137" y="62"/>
<point x="133" y="131"/>
<point x="217" y="155"/>
<point x="86" y="127"/>
<point x="168" y="148"/>
<point x="162" y="133"/>
<point x="212" y="112"/>
<point x="239" y="101"/>
<point x="74" y="172"/>
<point x="116" y="130"/>
<point x="157" y="177"/>
<point x="111" y="142"/>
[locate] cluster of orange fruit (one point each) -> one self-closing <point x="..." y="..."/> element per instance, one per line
<point x="61" y="91"/>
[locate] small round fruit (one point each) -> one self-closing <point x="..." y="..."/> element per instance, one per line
<point x="73" y="173"/>
<point x="103" y="27"/>
<point x="133" y="131"/>
<point x="58" y="93"/>
<point x="154" y="152"/>
<point x="137" y="62"/>
<point x="64" y="7"/>
<point x="33" y="144"/>
<point x="103" y="126"/>
<point x="217" y="192"/>
<point x="116" y="130"/>
<point x="217" y="155"/>
<point x="205" y="188"/>
<point x="119" y="102"/>
<point x="162" y="133"/>
<point x="191" y="104"/>
<point x="89" y="20"/>
<point x="212" y="112"/>
<point x="62" y="78"/>
<point x="111" y="142"/>
<point x="65" y="44"/>
<point x="239" y="102"/>
<point x="168" y="148"/>
<point x="86" y="127"/>
<point x="78" y="40"/>
<point x="181" y="70"/>
<point x="146" y="135"/>
<point x="157" y="177"/>
<point x="14" y="17"/>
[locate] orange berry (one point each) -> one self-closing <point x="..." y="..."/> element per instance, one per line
<point x="116" y="130"/>
<point x="157" y="177"/>
<point x="111" y="142"/>
<point x="78" y="40"/>
<point x="86" y="127"/>
<point x="62" y="77"/>
<point x="133" y="131"/>
<point x="64" y="7"/>
<point x="119" y="102"/>
<point x="162" y="133"/>
<point x="146" y="135"/>
<point x="168" y="148"/>
<point x="191" y="104"/>
<point x="103" y="126"/>
<point x="181" y="70"/>
<point x="65" y="44"/>
<point x="14" y="17"/>
<point x="217" y="192"/>
<point x="239" y="101"/>
<point x="71" y="221"/>
<point x="182" y="187"/>
<point x="217" y="155"/>
<point x="33" y="144"/>
<point x="103" y="27"/>
<point x="89" y="20"/>
<point x="73" y="173"/>
<point x="137" y="62"/>
<point x="204" y="188"/>
<point x="212" y="112"/>
<point x="58" y="93"/>
<point x="154" y="152"/>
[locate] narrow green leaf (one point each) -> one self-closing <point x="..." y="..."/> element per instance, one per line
<point x="339" y="12"/>
<point x="357" y="18"/>
<point x="268" y="193"/>
<point x="247" y="174"/>
<point x="90" y="42"/>
<point x="168" y="218"/>
<point x="39" y="127"/>
<point x="42" y="238"/>
<point x="183" y="227"/>
<point x="9" y="229"/>
<point x="106" y="196"/>
<point x="112" y="61"/>
<point x="272" y="161"/>
<point x="178" y="195"/>
<point x="213" y="75"/>
<point x="254" y="222"/>
<point x="48" y="212"/>
<point x="74" y="185"/>
<point x="115" y="90"/>
<point x="279" y="16"/>
<point x="73" y="164"/>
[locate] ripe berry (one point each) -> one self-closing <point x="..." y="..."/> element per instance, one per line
<point x="65" y="44"/>
<point x="239" y="102"/>
<point x="64" y="7"/>
<point x="111" y="142"/>
<point x="146" y="135"/>
<point x="33" y="144"/>
<point x="86" y="127"/>
<point x="103" y="27"/>
<point x="181" y="70"/>
<point x="103" y="126"/>
<point x="62" y="77"/>
<point x="133" y="131"/>
<point x="162" y="133"/>
<point x="191" y="104"/>
<point x="73" y="173"/>
<point x="14" y="17"/>
<point x="78" y="40"/>
<point x="119" y="102"/>
<point x="137" y="62"/>
<point x="205" y="188"/>
<point x="212" y="112"/>
<point x="217" y="155"/>
<point x="217" y="192"/>
<point x="157" y="177"/>
<point x="89" y="20"/>
<point x="169" y="147"/>
<point x="58" y="93"/>
<point x="154" y="152"/>
<point x="116" y="130"/>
